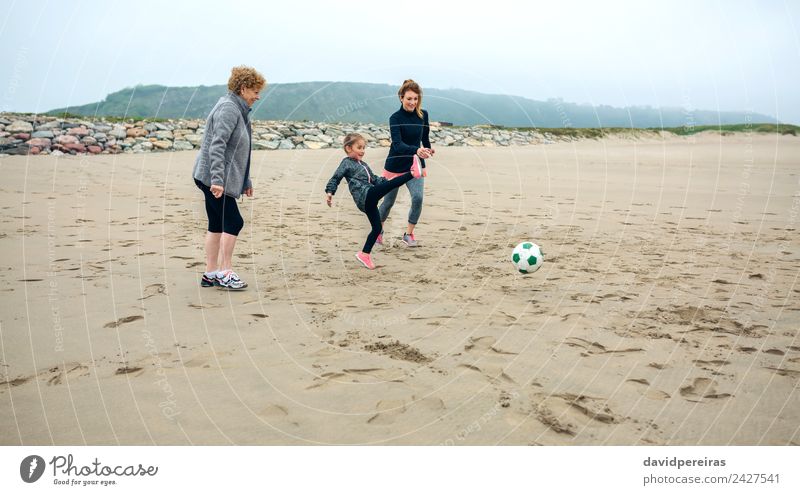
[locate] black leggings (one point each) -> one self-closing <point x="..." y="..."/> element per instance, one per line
<point x="223" y="213"/>
<point x="371" y="206"/>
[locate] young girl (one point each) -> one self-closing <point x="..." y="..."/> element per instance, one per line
<point x="367" y="188"/>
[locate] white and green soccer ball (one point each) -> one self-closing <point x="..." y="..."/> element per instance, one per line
<point x="527" y="257"/>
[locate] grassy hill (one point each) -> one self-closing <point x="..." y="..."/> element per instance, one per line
<point x="366" y="102"/>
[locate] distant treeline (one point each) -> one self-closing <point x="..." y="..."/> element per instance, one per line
<point x="373" y="103"/>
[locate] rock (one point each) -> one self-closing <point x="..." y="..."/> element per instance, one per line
<point x="41" y="143"/>
<point x="103" y="128"/>
<point x="19" y="126"/>
<point x="119" y="132"/>
<point x="284" y="131"/>
<point x="162" y="145"/>
<point x="43" y="134"/>
<point x="315" y="145"/>
<point x="162" y="127"/>
<point x="56" y="153"/>
<point x="94" y="149"/>
<point x="4" y="121"/>
<point x="268" y="136"/>
<point x="65" y="139"/>
<point x="146" y="146"/>
<point x="449" y="140"/>
<point x="384" y="143"/>
<point x="88" y="140"/>
<point x="20" y="149"/>
<point x="150" y="127"/>
<point x="135" y="132"/>
<point x="297" y="139"/>
<point x="182" y="145"/>
<point x="262" y="144"/>
<point x="100" y="136"/>
<point x="74" y="148"/>
<point x="473" y="142"/>
<point x="79" y="131"/>
<point x="34" y="150"/>
<point x="164" y="135"/>
<point x="192" y="125"/>
<point x="195" y="139"/>
<point x="24" y="136"/>
<point x="286" y="144"/>
<point x="307" y="131"/>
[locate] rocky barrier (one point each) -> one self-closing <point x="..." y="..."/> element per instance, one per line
<point x="22" y="134"/>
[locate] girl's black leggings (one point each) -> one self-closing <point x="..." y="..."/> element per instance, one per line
<point x="371" y="206"/>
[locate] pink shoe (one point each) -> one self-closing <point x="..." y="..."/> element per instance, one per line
<point x="365" y="260"/>
<point x="379" y="240"/>
<point x="416" y="167"/>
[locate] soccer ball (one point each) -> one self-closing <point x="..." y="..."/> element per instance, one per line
<point x="527" y="257"/>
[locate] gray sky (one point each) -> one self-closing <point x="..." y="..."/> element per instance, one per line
<point x="738" y="55"/>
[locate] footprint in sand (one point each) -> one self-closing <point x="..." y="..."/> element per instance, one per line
<point x="702" y="388"/>
<point x="784" y="371"/>
<point x="485" y="345"/>
<point x="153" y="290"/>
<point x="647" y="390"/>
<point x="490" y="361"/>
<point x="206" y="360"/>
<point x="121" y="321"/>
<point x="387" y="411"/>
<point x="568" y="413"/>
<point x="276" y="413"/>
<point x="357" y="375"/>
<point x="204" y="306"/>
<point x="127" y="370"/>
<point x="494" y="373"/>
<point x="592" y="348"/>
<point x="16" y="382"/>
<point x="69" y="371"/>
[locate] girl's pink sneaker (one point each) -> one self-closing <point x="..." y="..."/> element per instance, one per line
<point x="365" y="260"/>
<point x="416" y="167"/>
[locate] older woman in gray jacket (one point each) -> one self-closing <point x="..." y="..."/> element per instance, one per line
<point x="222" y="172"/>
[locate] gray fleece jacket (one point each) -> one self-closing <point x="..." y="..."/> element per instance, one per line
<point x="224" y="157"/>
<point x="359" y="179"/>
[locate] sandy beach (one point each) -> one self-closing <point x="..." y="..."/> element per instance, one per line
<point x="666" y="313"/>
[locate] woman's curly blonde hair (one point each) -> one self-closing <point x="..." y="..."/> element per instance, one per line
<point x="243" y="76"/>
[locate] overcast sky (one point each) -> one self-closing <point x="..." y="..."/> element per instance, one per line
<point x="738" y="55"/>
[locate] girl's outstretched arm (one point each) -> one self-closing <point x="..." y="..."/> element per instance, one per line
<point x="336" y="178"/>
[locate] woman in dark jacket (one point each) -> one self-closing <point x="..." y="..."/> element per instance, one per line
<point x="222" y="172"/>
<point x="409" y="126"/>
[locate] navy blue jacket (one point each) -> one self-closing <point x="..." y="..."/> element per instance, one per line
<point x="407" y="130"/>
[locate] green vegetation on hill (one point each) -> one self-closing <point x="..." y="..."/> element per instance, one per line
<point x="760" y="128"/>
<point x="373" y="103"/>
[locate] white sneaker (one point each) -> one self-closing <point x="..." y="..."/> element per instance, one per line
<point x="231" y="281"/>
